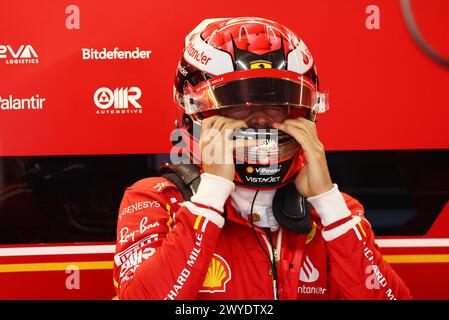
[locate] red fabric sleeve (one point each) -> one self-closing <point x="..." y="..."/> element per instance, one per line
<point x="357" y="269"/>
<point x="158" y="257"/>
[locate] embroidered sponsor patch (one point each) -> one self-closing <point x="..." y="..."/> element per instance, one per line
<point x="218" y="275"/>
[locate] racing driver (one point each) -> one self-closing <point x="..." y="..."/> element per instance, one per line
<point x="251" y="211"/>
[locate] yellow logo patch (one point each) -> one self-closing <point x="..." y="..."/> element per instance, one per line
<point x="260" y="64"/>
<point x="217" y="276"/>
<point x="311" y="234"/>
<point x="249" y="169"/>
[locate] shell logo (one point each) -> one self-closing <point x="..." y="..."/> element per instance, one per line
<point x="217" y="276"/>
<point x="249" y="169"/>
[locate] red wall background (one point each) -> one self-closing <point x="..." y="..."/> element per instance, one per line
<point x="385" y="93"/>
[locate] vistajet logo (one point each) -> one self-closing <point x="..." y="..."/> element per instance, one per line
<point x="119" y="101"/>
<point x="262" y="180"/>
<point x="24" y="54"/>
<point x="115" y="54"/>
<point x="11" y="103"/>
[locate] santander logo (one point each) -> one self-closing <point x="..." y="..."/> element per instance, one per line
<point x="308" y="271"/>
<point x="197" y="55"/>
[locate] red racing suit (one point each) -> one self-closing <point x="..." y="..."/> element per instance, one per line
<point x="168" y="248"/>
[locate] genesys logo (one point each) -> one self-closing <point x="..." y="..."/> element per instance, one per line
<point x="23" y="54"/>
<point x="12" y="103"/>
<point x="115" y="54"/>
<point x="118" y="101"/>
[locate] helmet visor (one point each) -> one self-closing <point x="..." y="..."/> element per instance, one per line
<point x="249" y="88"/>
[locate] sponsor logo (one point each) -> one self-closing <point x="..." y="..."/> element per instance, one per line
<point x="139" y="206"/>
<point x="311" y="290"/>
<point x="217" y="276"/>
<point x="262" y="180"/>
<point x="267" y="171"/>
<point x="185" y="273"/>
<point x="182" y="70"/>
<point x="305" y="58"/>
<point x="115" y="54"/>
<point x="299" y="59"/>
<point x="130" y="259"/>
<point x="161" y="185"/>
<point x="249" y="169"/>
<point x="312" y="233"/>
<point x="196" y="250"/>
<point x="309" y="274"/>
<point x="134" y="260"/>
<point x="173" y="200"/>
<point x="120" y="99"/>
<point x="308" y="271"/>
<point x="33" y="103"/>
<point x="197" y="55"/>
<point x="260" y="64"/>
<point x="125" y="235"/>
<point x="25" y="54"/>
<point x="121" y="257"/>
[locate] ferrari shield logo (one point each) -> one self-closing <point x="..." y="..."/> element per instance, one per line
<point x="260" y="64"/>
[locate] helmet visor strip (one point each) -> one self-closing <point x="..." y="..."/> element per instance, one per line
<point x="254" y="88"/>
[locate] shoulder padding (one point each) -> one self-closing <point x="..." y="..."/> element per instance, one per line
<point x="153" y="184"/>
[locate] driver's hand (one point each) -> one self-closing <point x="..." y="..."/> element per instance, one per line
<point x="314" y="178"/>
<point x="217" y="146"/>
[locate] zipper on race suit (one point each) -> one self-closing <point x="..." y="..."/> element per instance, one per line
<point x="274" y="259"/>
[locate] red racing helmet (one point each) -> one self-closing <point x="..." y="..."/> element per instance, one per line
<point x="248" y="61"/>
